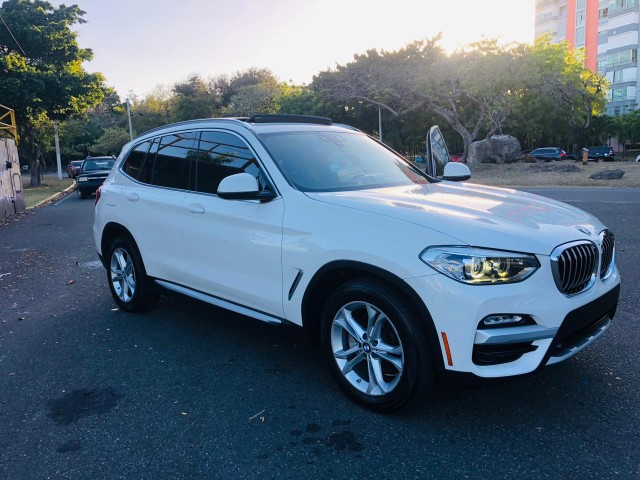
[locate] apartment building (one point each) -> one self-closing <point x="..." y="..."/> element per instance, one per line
<point x="608" y="31"/>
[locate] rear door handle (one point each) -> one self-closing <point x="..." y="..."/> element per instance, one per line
<point x="133" y="197"/>
<point x="196" y="208"/>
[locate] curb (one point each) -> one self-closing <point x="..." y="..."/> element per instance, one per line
<point x="53" y="197"/>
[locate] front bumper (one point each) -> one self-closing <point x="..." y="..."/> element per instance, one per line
<point x="562" y="325"/>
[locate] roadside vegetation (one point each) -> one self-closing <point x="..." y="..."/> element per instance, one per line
<point x="540" y="94"/>
<point x="50" y="185"/>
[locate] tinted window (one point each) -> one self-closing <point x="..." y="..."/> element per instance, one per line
<point x="220" y="155"/>
<point x="334" y="161"/>
<point x="171" y="168"/>
<point x="135" y="160"/>
<point x="93" y="165"/>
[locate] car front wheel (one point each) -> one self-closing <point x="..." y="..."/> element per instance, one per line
<point x="130" y="287"/>
<point x="377" y="347"/>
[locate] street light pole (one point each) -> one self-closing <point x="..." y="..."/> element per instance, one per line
<point x="380" y="124"/>
<point x="129" y="115"/>
<point x="57" y="142"/>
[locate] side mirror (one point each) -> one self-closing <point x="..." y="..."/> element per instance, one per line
<point x="243" y="186"/>
<point x="456" y="172"/>
<point x="437" y="152"/>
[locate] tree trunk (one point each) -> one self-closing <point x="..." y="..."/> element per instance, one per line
<point x="37" y="164"/>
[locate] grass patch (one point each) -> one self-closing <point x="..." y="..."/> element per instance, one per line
<point x="50" y="186"/>
<point x="527" y="175"/>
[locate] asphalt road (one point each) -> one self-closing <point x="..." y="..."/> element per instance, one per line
<point x="191" y="391"/>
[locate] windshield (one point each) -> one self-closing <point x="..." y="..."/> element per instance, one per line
<point x="337" y="161"/>
<point x="77" y="163"/>
<point x="90" y="165"/>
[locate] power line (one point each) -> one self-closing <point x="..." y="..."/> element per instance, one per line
<point x="14" y="38"/>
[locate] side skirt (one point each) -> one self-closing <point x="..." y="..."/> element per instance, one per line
<point x="219" y="302"/>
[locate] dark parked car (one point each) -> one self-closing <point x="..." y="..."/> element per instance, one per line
<point x="604" y="152"/>
<point x="74" y="167"/>
<point x="549" y="153"/>
<point x="94" y="172"/>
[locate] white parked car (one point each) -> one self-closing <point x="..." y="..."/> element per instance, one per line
<point x="396" y="273"/>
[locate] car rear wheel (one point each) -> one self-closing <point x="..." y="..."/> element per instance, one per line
<point x="377" y="347"/>
<point x="130" y="287"/>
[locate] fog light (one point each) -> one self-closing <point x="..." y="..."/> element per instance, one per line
<point x="501" y="320"/>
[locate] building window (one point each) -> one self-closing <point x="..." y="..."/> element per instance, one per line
<point x="580" y="4"/>
<point x="626" y="75"/>
<point x="562" y="11"/>
<point x="622" y="4"/>
<point x="603" y="13"/>
<point x="544" y="17"/>
<point x="620" y="58"/>
<point x="580" y="36"/>
<point x="623" y="93"/>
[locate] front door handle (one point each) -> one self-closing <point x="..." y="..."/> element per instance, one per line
<point x="196" y="208"/>
<point x="133" y="197"/>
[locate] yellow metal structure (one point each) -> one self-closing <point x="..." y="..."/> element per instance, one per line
<point x="8" y="122"/>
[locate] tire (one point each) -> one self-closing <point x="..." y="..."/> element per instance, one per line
<point x="393" y="346"/>
<point x="132" y="291"/>
<point x="81" y="194"/>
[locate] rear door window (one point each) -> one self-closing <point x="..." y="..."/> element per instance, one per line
<point x="173" y="160"/>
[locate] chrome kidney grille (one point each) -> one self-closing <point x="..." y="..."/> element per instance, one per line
<point x="574" y="266"/>
<point x="608" y="248"/>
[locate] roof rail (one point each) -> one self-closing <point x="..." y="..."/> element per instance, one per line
<point x="344" y="125"/>
<point x="286" y="118"/>
<point x="235" y="120"/>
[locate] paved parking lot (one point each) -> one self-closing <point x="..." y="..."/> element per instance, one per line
<point x="191" y="391"/>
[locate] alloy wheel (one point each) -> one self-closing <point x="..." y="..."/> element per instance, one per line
<point x="123" y="278"/>
<point x="367" y="348"/>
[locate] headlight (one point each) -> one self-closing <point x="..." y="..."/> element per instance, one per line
<point x="83" y="179"/>
<point x="478" y="266"/>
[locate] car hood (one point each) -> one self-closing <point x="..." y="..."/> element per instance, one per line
<point x="477" y="215"/>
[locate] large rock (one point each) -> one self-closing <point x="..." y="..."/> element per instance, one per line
<point x="501" y="149"/>
<point x="607" y="174"/>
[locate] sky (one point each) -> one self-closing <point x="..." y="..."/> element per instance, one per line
<point x="138" y="44"/>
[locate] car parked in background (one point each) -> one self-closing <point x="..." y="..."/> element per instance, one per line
<point x="74" y="167"/>
<point x="549" y="153"/>
<point x="93" y="173"/>
<point x="604" y="153"/>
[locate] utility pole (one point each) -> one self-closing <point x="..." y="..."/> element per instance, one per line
<point x="129" y="115"/>
<point x="57" y="141"/>
<point x="380" y="124"/>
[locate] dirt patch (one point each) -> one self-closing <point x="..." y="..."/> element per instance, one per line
<point x="553" y="174"/>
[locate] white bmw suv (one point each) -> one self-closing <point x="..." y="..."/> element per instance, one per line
<point x="398" y="274"/>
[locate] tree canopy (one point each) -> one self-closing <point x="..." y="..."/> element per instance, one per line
<point x="41" y="67"/>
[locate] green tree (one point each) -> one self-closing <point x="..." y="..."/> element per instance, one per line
<point x="194" y="99"/>
<point x="41" y="70"/>
<point x="558" y="74"/>
<point x="111" y="141"/>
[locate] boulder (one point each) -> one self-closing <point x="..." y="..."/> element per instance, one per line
<point x="500" y="149"/>
<point x="607" y="174"/>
